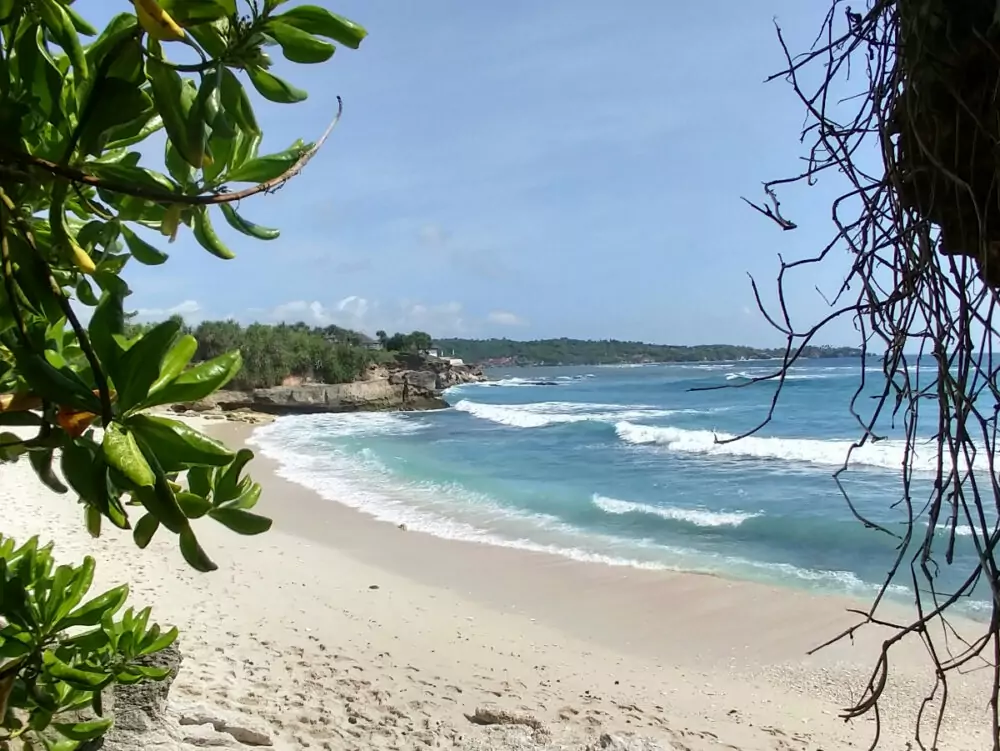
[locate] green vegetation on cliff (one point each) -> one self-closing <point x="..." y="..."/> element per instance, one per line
<point x="273" y="353"/>
<point x="609" y="351"/>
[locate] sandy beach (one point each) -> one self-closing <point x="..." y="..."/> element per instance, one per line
<point x="336" y="631"/>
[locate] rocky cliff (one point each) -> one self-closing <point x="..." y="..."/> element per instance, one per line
<point x="382" y="389"/>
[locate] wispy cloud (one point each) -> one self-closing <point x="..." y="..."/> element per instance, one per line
<point x="355" y="312"/>
<point x="506" y="318"/>
<point x="187" y="309"/>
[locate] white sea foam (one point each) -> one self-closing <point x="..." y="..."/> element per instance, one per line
<point x="519" y="382"/>
<point x="770" y="375"/>
<point x="697" y="517"/>
<point x="450" y="512"/>
<point x="885" y="454"/>
<point x="541" y="414"/>
<point x="344" y="425"/>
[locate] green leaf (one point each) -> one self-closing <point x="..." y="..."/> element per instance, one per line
<point x="85" y="293"/>
<point x="124" y="174"/>
<point x="265" y="168"/>
<point x="79" y="23"/>
<point x="121" y="103"/>
<point x="59" y="23"/>
<point x="41" y="461"/>
<point x="161" y="501"/>
<point x="136" y="131"/>
<point x="178" y="166"/>
<point x="84" y="731"/>
<point x="297" y="45"/>
<point x="221" y="146"/>
<point x="118" y="29"/>
<point x="93" y="521"/>
<point x="173" y="101"/>
<point x="193" y="506"/>
<point x="244" y="149"/>
<point x="236" y="103"/>
<point x="141" y="250"/>
<point x="211" y="39"/>
<point x="273" y="88"/>
<point x="86" y="680"/>
<point x="144" y="530"/>
<point x="195" y="12"/>
<point x="199" y="480"/>
<point x="228" y="484"/>
<point x="77" y="462"/>
<point x="107" y="322"/>
<point x="317" y="20"/>
<point x="84" y="577"/>
<point x="250" y="229"/>
<point x="57" y="385"/>
<point x="205" y="234"/>
<point x="91" y="612"/>
<point x="177" y="445"/>
<point x="240" y="521"/>
<point x="199" y="381"/>
<point x="20" y="419"/>
<point x="174" y="363"/>
<point x="140" y="365"/>
<point x="123" y="454"/>
<point x="193" y="553"/>
<point x="155" y="642"/>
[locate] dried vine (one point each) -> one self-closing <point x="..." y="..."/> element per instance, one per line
<point x="921" y="230"/>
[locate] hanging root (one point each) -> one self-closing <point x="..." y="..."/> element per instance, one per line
<point x="916" y="83"/>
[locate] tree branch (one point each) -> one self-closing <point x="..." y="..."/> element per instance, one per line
<point x="164" y="196"/>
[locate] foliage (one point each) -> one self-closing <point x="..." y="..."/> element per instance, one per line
<point x="60" y="652"/>
<point x="415" y="341"/>
<point x="272" y="353"/>
<point x="587" y="352"/>
<point x="78" y="197"/>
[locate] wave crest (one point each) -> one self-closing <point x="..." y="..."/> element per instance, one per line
<point x="697" y="517"/>
<point x="541" y="414"/>
<point x="885" y="454"/>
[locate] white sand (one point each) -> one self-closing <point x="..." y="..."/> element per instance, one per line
<point x="339" y="632"/>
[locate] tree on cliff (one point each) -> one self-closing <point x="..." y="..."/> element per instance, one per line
<point x="415" y="341"/>
<point x="914" y="82"/>
<point x="78" y="197"/>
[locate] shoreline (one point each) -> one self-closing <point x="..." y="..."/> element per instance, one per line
<point x="338" y="632"/>
<point x="680" y="623"/>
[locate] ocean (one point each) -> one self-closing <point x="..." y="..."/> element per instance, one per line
<point x="621" y="466"/>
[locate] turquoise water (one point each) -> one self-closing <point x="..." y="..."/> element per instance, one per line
<point x="620" y="466"/>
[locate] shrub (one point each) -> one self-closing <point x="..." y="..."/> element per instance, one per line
<point x="77" y="195"/>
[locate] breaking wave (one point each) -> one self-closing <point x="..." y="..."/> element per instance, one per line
<point x="697" y="517"/>
<point x="541" y="414"/>
<point x="885" y="454"/>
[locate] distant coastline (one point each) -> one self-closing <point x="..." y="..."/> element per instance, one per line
<point x="583" y="352"/>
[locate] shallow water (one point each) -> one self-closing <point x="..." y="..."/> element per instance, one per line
<point x="622" y="465"/>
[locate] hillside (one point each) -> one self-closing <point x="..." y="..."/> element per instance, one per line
<point x="610" y="351"/>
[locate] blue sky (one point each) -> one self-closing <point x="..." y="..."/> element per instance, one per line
<point x="528" y="169"/>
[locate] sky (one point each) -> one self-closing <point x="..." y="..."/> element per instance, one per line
<point x="528" y="169"/>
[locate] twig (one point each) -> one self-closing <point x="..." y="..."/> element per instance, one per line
<point x="107" y="415"/>
<point x="164" y="196"/>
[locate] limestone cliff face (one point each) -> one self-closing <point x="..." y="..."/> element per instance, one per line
<point x="382" y="389"/>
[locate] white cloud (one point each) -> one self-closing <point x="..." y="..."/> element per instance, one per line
<point x="506" y="318"/>
<point x="355" y="312"/>
<point x="186" y="308"/>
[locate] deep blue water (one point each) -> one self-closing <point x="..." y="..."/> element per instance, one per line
<point x="620" y="465"/>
